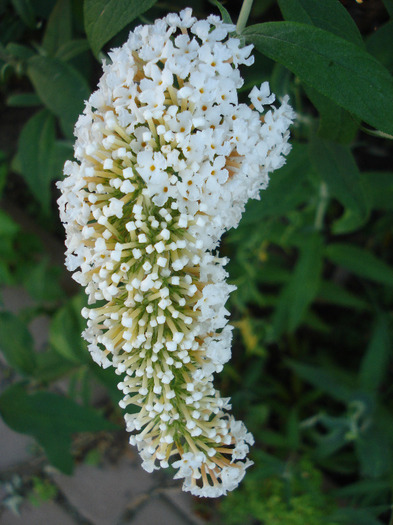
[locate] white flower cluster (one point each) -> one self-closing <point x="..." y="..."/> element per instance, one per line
<point x="167" y="159"/>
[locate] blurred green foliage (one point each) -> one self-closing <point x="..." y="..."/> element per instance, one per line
<point x="312" y="359"/>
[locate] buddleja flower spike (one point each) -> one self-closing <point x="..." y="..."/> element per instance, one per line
<point x="167" y="159"/>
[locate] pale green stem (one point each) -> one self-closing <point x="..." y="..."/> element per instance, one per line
<point x="322" y="205"/>
<point x="243" y="16"/>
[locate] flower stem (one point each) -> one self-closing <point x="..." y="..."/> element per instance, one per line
<point x="322" y="205"/>
<point x="243" y="16"/>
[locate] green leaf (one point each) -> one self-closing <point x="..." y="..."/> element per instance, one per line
<point x="17" y="344"/>
<point x="35" y="151"/>
<point x="66" y="92"/>
<point x="3" y="171"/>
<point x="50" y="366"/>
<point x="8" y="227"/>
<point x="23" y="100"/>
<point x="25" y="11"/>
<point x="330" y="15"/>
<point x="380" y="45"/>
<point x="51" y="419"/>
<point x="337" y="168"/>
<point x="333" y="66"/>
<point x="374" y="364"/>
<point x="378" y="186"/>
<point x="58" y="29"/>
<point x="105" y="18"/>
<point x="72" y="49"/>
<point x="332" y="293"/>
<point x="65" y="332"/>
<point x="361" y="262"/>
<point x="226" y="17"/>
<point x="20" y="51"/>
<point x="374" y="452"/>
<point x="43" y="282"/>
<point x="336" y="123"/>
<point x="389" y="6"/>
<point x="276" y="200"/>
<point x="322" y="380"/>
<point x="302" y="288"/>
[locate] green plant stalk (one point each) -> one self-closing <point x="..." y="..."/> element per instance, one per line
<point x="322" y="205"/>
<point x="243" y="16"/>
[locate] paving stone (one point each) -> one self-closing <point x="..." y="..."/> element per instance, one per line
<point x="15" y="299"/>
<point x="47" y="513"/>
<point x="158" y="512"/>
<point x="39" y="329"/>
<point x="102" y="493"/>
<point x="14" y="447"/>
<point x="184" y="501"/>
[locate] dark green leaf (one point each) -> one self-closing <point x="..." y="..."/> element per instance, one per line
<point x="330" y="15"/>
<point x="380" y="45"/>
<point x="60" y="87"/>
<point x="276" y="200"/>
<point x="25" y="11"/>
<point x="50" y="366"/>
<point x="361" y="262"/>
<point x="389" y="6"/>
<point x="16" y="343"/>
<point x="65" y="332"/>
<point x="36" y="145"/>
<point x="338" y="69"/>
<point x="51" y="419"/>
<point x="335" y="122"/>
<point x="43" y="282"/>
<point x="58" y="29"/>
<point x="302" y="288"/>
<point x="374" y="453"/>
<point x="20" y="51"/>
<point x="105" y="18"/>
<point x="378" y="186"/>
<point x="337" y="168"/>
<point x="8" y="227"/>
<point x="349" y="516"/>
<point x="72" y="49"/>
<point x="374" y="364"/>
<point x="329" y="292"/>
<point x="322" y="380"/>
<point x="226" y="17"/>
<point x="3" y="171"/>
<point x="23" y="100"/>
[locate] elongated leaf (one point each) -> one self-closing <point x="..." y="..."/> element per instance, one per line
<point x="65" y="332"/>
<point x="322" y="380"/>
<point x="8" y="227"/>
<point x="302" y="287"/>
<point x="374" y="364"/>
<point x="60" y="87"/>
<point x="389" y="7"/>
<point x="25" y="11"/>
<point x="380" y="45"/>
<point x="378" y="186"/>
<point x="72" y="49"/>
<point x="330" y="292"/>
<point x="226" y="17"/>
<point x="58" y="29"/>
<point x="36" y="143"/>
<point x="337" y="167"/>
<point x="16" y="343"/>
<point x="374" y="452"/>
<point x="361" y="262"/>
<point x="338" y="69"/>
<point x="105" y="18"/>
<point x="336" y="123"/>
<point x="51" y="419"/>
<point x="23" y="100"/>
<point x="330" y="15"/>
